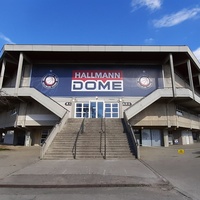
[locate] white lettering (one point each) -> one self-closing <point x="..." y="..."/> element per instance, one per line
<point x="97" y="86"/>
<point x="77" y="74"/>
<point x="97" y="75"/>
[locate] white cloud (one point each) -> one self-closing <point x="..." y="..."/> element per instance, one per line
<point x="151" y="4"/>
<point x="197" y="53"/>
<point x="149" y="41"/>
<point x="6" y="39"/>
<point x="176" y="18"/>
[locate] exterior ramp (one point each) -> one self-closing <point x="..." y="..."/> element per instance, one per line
<point x="147" y="101"/>
<point x="47" y="102"/>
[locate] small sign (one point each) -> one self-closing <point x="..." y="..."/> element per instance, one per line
<point x="181" y="151"/>
<point x="68" y="103"/>
<point x="126" y="103"/>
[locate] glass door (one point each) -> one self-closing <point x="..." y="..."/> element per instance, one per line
<point x="96" y="109"/>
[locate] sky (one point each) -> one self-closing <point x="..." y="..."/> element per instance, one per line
<point x="101" y="22"/>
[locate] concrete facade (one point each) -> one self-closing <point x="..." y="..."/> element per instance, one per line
<point x="156" y="87"/>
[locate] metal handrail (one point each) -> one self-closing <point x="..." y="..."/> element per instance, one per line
<point x="81" y="130"/>
<point x="53" y="134"/>
<point x="133" y="138"/>
<point x="103" y="133"/>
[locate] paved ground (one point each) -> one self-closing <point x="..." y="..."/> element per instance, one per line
<point x="98" y="193"/>
<point x="182" y="170"/>
<point x="16" y="158"/>
<point x="20" y="167"/>
<point x="23" y="169"/>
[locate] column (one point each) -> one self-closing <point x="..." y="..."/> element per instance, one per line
<point x="199" y="78"/>
<point x="166" y="138"/>
<point x="27" y="141"/>
<point x="1" y="138"/>
<point x="172" y="74"/>
<point x="2" y="73"/>
<point x="19" y="73"/>
<point x="190" y="77"/>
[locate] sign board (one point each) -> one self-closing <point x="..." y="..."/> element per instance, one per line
<point x="181" y="151"/>
<point x="96" y="80"/>
<point x="126" y="103"/>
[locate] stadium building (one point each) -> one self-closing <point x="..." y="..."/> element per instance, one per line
<point x="49" y="90"/>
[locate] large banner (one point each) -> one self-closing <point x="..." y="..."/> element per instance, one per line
<point x="96" y="80"/>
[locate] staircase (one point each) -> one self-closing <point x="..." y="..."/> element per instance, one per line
<point x="61" y="147"/>
<point x="118" y="143"/>
<point x="88" y="143"/>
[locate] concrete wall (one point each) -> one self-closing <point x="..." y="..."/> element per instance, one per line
<point x="26" y="73"/>
<point x="34" y="114"/>
<point x="9" y="82"/>
<point x="167" y="76"/>
<point x="188" y="120"/>
<point x="8" y="119"/>
<point x="36" y="136"/>
<point x="165" y="116"/>
<point x="152" y="116"/>
<point x="179" y="82"/>
<point x="187" y="137"/>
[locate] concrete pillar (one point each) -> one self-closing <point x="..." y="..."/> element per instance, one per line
<point x="120" y="108"/>
<point x="25" y="80"/>
<point x="172" y="74"/>
<point x="19" y="73"/>
<point x="27" y="141"/>
<point x="166" y="138"/>
<point x="2" y="73"/>
<point x="190" y="77"/>
<point x="199" y="78"/>
<point x="73" y="108"/>
<point x="1" y="138"/>
<point x="22" y="114"/>
<point x="36" y="136"/>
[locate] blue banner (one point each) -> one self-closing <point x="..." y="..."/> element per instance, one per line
<point x="96" y="80"/>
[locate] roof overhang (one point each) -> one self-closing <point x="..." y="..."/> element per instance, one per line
<point x="99" y="53"/>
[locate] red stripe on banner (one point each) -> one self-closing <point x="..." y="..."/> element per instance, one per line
<point x="102" y="75"/>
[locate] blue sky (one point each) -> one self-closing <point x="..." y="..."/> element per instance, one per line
<point x="107" y="22"/>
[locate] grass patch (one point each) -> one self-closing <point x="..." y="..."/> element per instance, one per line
<point x="4" y="149"/>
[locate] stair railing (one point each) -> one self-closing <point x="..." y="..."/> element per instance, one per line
<point x="53" y="134"/>
<point x="81" y="130"/>
<point x="103" y="137"/>
<point x="133" y="138"/>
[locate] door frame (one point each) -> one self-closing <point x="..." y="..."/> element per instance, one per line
<point x="97" y="108"/>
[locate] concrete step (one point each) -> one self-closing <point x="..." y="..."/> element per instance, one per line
<point x="85" y="157"/>
<point x="120" y="158"/>
<point x="59" y="154"/>
<point x="88" y="144"/>
<point x="86" y="153"/>
<point x="58" y="158"/>
<point x="56" y="148"/>
<point x="69" y="149"/>
<point x="63" y="143"/>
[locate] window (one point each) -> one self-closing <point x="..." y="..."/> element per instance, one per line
<point x="82" y="110"/>
<point x="97" y="110"/>
<point x="111" y="110"/>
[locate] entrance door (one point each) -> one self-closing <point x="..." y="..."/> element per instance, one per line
<point x="156" y="138"/>
<point x="146" y="137"/>
<point x="96" y="109"/>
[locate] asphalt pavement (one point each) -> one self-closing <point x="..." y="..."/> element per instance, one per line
<point x="159" y="167"/>
<point x="21" y="167"/>
<point x="178" y="164"/>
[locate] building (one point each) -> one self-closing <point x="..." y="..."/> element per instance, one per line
<point x="155" y="88"/>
